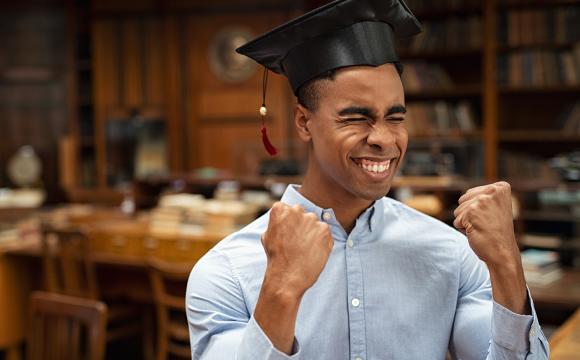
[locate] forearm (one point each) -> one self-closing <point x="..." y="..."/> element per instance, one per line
<point x="276" y="312"/>
<point x="509" y="284"/>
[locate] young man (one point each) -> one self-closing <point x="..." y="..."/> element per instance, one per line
<point x="336" y="270"/>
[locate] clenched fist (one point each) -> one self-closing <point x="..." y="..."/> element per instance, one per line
<point x="485" y="215"/>
<point x="297" y="246"/>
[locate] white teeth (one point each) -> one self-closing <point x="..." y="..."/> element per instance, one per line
<point x="377" y="167"/>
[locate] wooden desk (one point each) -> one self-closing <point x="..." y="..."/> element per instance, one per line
<point x="565" y="343"/>
<point x="122" y="271"/>
<point x="563" y="293"/>
<point x="14" y="293"/>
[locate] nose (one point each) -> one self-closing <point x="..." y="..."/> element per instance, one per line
<point x="381" y="136"/>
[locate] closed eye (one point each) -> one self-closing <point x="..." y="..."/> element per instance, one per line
<point x="356" y="119"/>
<point x="352" y="120"/>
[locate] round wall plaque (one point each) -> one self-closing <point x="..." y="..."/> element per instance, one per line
<point x="224" y="61"/>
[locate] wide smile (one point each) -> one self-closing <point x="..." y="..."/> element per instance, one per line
<point x="375" y="169"/>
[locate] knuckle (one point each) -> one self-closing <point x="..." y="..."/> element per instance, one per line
<point x="298" y="208"/>
<point x="277" y="207"/>
<point x="504" y="184"/>
<point x="310" y="216"/>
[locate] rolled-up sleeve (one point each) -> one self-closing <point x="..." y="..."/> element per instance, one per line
<point x="483" y="329"/>
<point x="220" y="326"/>
<point x="519" y="334"/>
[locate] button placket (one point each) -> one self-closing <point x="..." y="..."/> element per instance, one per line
<point x="355" y="301"/>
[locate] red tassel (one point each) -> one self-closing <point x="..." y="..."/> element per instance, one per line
<point x="267" y="144"/>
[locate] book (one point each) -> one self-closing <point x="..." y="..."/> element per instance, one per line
<point x="539" y="260"/>
<point x="428" y="118"/>
<point x="533" y="26"/>
<point x="539" y="68"/>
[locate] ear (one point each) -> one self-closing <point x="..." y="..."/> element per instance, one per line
<point x="302" y="118"/>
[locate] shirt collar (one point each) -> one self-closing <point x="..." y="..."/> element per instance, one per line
<point x="372" y="216"/>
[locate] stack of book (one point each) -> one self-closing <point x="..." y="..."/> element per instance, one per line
<point x="570" y="120"/>
<point x="440" y="118"/>
<point x="533" y="26"/>
<point x="419" y="75"/>
<point x="421" y="7"/>
<point x="541" y="267"/>
<point x="456" y="33"/>
<point x="540" y="67"/>
<point x="523" y="166"/>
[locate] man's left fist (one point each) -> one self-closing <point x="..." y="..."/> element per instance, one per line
<point x="485" y="215"/>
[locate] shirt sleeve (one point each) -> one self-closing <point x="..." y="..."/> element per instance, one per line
<point x="220" y="326"/>
<point x="483" y="329"/>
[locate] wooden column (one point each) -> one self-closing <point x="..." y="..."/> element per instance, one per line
<point x="490" y="91"/>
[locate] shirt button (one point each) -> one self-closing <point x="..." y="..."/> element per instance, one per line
<point x="350" y="243"/>
<point x="533" y="332"/>
<point x="327" y="216"/>
<point x="357" y="358"/>
<point x="355" y="302"/>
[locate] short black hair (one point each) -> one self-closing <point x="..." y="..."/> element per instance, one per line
<point x="308" y="94"/>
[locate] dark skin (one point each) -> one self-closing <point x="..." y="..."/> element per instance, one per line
<point x="359" y="121"/>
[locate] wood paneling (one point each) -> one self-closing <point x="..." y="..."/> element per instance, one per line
<point x="13" y="300"/>
<point x="173" y="55"/>
<point x="223" y="117"/>
<point x="33" y="84"/>
<point x="148" y="59"/>
<point x="131" y="68"/>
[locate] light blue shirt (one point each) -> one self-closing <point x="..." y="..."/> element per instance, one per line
<point x="401" y="285"/>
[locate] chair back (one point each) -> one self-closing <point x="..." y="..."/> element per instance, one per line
<point x="66" y="328"/>
<point x="168" y="281"/>
<point x="67" y="264"/>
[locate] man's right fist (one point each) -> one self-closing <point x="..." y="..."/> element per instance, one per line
<point x="297" y="246"/>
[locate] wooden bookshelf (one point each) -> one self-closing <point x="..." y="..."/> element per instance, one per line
<point x="441" y="55"/>
<point x="525" y="4"/>
<point x="524" y="119"/>
<point x="537" y="136"/>
<point x="536" y="46"/>
<point x="541" y="90"/>
<point x="459" y="91"/>
<point x="447" y="12"/>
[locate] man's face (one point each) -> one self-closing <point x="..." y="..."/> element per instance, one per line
<point x="357" y="132"/>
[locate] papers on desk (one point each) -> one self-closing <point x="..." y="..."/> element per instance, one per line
<point x="187" y="214"/>
<point x="21" y="198"/>
<point x="541" y="267"/>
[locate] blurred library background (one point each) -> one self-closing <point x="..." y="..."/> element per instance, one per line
<point x="130" y="145"/>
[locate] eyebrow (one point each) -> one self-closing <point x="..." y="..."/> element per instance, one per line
<point x="365" y="111"/>
<point x="396" y="109"/>
<point x="357" y="110"/>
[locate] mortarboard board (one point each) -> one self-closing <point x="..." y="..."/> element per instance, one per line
<point x="339" y="34"/>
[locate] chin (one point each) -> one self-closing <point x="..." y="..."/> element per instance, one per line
<point x="371" y="194"/>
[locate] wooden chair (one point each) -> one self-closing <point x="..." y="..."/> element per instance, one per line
<point x="168" y="281"/>
<point x="69" y="270"/>
<point x="65" y="327"/>
<point x="66" y="262"/>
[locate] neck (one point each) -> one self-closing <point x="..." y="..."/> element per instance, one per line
<point x="326" y="193"/>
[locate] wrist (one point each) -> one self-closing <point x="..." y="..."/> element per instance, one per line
<point x="506" y="258"/>
<point x="508" y="269"/>
<point x="281" y="290"/>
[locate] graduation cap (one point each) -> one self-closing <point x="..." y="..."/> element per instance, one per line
<point x="339" y="34"/>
